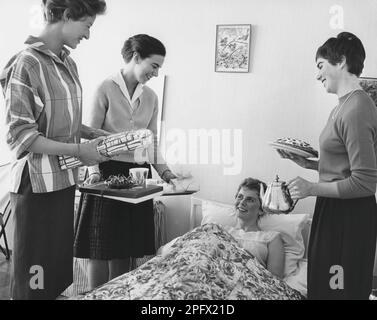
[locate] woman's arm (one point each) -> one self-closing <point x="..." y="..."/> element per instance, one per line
<point x="300" y="188"/>
<point x="276" y="256"/>
<point x="357" y="129"/>
<point x="154" y="153"/>
<point x="86" y="152"/>
<point x="90" y="133"/>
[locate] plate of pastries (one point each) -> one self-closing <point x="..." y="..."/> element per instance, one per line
<point x="295" y="146"/>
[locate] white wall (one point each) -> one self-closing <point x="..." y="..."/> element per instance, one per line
<point x="279" y="97"/>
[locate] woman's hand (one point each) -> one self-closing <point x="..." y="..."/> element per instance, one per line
<point x="92" y="179"/>
<point x="90" y="133"/>
<point x="167" y="176"/>
<point x="88" y="153"/>
<point x="101" y="133"/>
<point x="300" y="188"/>
<point x="299" y="160"/>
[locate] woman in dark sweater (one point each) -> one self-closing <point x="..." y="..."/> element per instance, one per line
<point x="343" y="236"/>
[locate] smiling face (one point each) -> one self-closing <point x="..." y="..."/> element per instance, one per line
<point x="147" y="68"/>
<point x="74" y="31"/>
<point x="247" y="204"/>
<point x="328" y="74"/>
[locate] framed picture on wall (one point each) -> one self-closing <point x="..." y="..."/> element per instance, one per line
<point x="370" y="87"/>
<point x="232" y="48"/>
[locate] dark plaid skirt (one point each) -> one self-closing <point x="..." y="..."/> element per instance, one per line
<point x="42" y="258"/>
<point x="107" y="229"/>
<point x="342" y="248"/>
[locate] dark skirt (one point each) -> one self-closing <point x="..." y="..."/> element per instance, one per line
<point x="341" y="249"/>
<point x="108" y="229"/>
<point x="42" y="259"/>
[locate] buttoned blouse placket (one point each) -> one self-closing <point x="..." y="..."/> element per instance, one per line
<point x="131" y="102"/>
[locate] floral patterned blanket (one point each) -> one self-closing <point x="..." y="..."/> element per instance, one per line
<point x="206" y="263"/>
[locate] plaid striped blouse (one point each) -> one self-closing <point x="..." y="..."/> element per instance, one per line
<point x="43" y="97"/>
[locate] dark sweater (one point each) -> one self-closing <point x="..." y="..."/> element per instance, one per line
<point x="348" y="147"/>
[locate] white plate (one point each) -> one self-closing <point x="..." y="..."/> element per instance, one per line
<point x="291" y="149"/>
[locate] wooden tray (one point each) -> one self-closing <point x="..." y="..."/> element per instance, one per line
<point x="179" y="193"/>
<point x="136" y="192"/>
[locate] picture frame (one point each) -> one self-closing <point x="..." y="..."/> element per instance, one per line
<point x="233" y="48"/>
<point x="370" y="87"/>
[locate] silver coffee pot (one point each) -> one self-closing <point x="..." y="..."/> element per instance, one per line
<point x="277" y="199"/>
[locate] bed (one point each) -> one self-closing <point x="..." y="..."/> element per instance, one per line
<point x="207" y="263"/>
<point x="294" y="229"/>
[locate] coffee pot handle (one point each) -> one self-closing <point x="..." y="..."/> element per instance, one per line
<point x="294" y="203"/>
<point x="289" y="195"/>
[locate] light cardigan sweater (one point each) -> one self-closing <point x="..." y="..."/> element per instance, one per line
<point x="348" y="147"/>
<point x="114" y="111"/>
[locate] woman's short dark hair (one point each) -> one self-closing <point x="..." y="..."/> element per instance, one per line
<point x="252" y="184"/>
<point x="345" y="45"/>
<point x="77" y="9"/>
<point x="144" y="45"/>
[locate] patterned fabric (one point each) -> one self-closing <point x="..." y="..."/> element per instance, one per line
<point x="80" y="266"/>
<point x="113" y="145"/>
<point x="43" y="97"/>
<point x="206" y="263"/>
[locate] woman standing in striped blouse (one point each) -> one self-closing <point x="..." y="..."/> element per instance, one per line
<point x="43" y="116"/>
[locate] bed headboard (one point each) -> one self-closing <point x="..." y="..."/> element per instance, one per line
<point x="196" y="218"/>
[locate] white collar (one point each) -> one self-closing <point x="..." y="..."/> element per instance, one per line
<point x="119" y="80"/>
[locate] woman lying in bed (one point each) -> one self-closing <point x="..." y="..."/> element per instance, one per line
<point x="211" y="262"/>
<point x="266" y="246"/>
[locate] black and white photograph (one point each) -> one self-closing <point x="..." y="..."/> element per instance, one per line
<point x="210" y="151"/>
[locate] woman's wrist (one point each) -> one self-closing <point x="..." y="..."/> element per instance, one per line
<point x="164" y="174"/>
<point x="70" y="149"/>
<point x="94" y="133"/>
<point x="78" y="154"/>
<point x="311" y="164"/>
<point x="312" y="189"/>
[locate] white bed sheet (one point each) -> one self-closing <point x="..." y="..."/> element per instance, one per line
<point x="298" y="280"/>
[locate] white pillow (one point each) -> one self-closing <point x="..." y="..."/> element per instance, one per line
<point x="290" y="226"/>
<point x="219" y="213"/>
<point x="298" y="280"/>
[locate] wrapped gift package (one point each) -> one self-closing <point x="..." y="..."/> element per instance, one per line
<point x="113" y="145"/>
